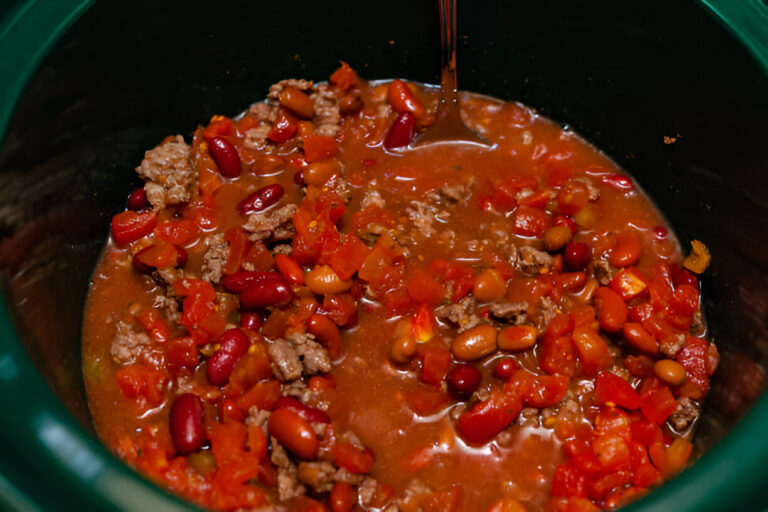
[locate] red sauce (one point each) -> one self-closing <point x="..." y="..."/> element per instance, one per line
<point x="505" y="328"/>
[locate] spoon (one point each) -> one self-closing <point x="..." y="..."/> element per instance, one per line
<point x="448" y="126"/>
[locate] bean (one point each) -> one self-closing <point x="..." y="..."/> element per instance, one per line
<point x="586" y="218"/>
<point x="402" y="131"/>
<point x="233" y="345"/>
<point x="323" y="280"/>
<point x="226" y="157"/>
<point x="489" y="285"/>
<point x="577" y="255"/>
<point x="572" y="197"/>
<point x="318" y="173"/>
<point x="463" y="380"/>
<point x="326" y="332"/>
<point x="506" y="505"/>
<point x="298" y="102"/>
<point x="639" y="337"/>
<point x="251" y="321"/>
<point x="402" y="350"/>
<point x="475" y="343"/>
<point x="311" y="414"/>
<point x="229" y="412"/>
<point x="517" y="338"/>
<point x="611" y="310"/>
<point x="239" y="281"/>
<point x="669" y="371"/>
<point x="264" y="293"/>
<point x="505" y="368"/>
<point x="556" y="237"/>
<point x="403" y="100"/>
<point x="181" y="259"/>
<point x="293" y="432"/>
<point x="186" y="422"/>
<point x="290" y="269"/>
<point x="137" y="200"/>
<point x="260" y="200"/>
<point x="343" y="498"/>
<point x="627" y="250"/>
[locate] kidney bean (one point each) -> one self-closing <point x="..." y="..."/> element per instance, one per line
<point x="266" y="292"/>
<point x="572" y="197"/>
<point x="293" y="432"/>
<point x="669" y="371"/>
<point x="230" y="412"/>
<point x="182" y="256"/>
<point x="475" y="343"/>
<point x="611" y="310"/>
<point x="489" y="285"/>
<point x="240" y="281"/>
<point x="186" y="422"/>
<point x="322" y="279"/>
<point x="137" y="200"/>
<point x="251" y="321"/>
<point x="233" y="345"/>
<point x="226" y="157"/>
<point x="402" y="131"/>
<point x="577" y="255"/>
<point x="290" y="269"/>
<point x="318" y="173"/>
<point x="517" y="337"/>
<point x="342" y="498"/>
<point x="402" y="350"/>
<point x="403" y="100"/>
<point x="639" y="337"/>
<point x="618" y="182"/>
<point x="297" y="102"/>
<point x="463" y="380"/>
<point x="140" y="265"/>
<point x="682" y="276"/>
<point x="311" y="414"/>
<point x="627" y="250"/>
<point x="326" y="332"/>
<point x="505" y="368"/>
<point x="260" y="200"/>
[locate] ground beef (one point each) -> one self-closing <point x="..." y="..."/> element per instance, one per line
<point x="297" y="83"/>
<point x="341" y="187"/>
<point x="282" y="249"/>
<point x="298" y="389"/>
<point x="313" y="356"/>
<point x="454" y="193"/>
<point x="529" y="417"/>
<point x="288" y="485"/>
<point x="318" y="475"/>
<point x="285" y="360"/>
<point x="423" y="216"/>
<point x="671" y="345"/>
<point x="346" y="476"/>
<point x="698" y="327"/>
<point x="169" y="174"/>
<point x="372" y="197"/>
<point x="264" y="112"/>
<point x="546" y="312"/>
<point x="511" y="312"/>
<point x="462" y="314"/>
<point x="327" y="118"/>
<point x="533" y="262"/>
<point x="256" y="138"/>
<point x="169" y="304"/>
<point x="127" y="344"/>
<point x="275" y="224"/>
<point x="165" y="277"/>
<point x="603" y="271"/>
<point x="686" y="413"/>
<point x="366" y="492"/>
<point x="594" y="192"/>
<point x="215" y="257"/>
<point x="257" y="417"/>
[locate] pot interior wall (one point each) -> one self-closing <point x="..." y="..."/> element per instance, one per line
<point x="624" y="75"/>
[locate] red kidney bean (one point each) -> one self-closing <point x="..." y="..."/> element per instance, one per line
<point x="186" y="421"/>
<point x="226" y="157"/>
<point x="577" y="255"/>
<point x="239" y="281"/>
<point x="681" y="276"/>
<point x="260" y="200"/>
<point x="293" y="432"/>
<point x="234" y="344"/>
<point x="182" y="256"/>
<point x="463" y="380"/>
<point x="402" y="131"/>
<point x="138" y="200"/>
<point x="505" y="368"/>
<point x="251" y="321"/>
<point x="264" y="293"/>
<point x="140" y="265"/>
<point x="298" y="178"/>
<point x="311" y="414"/>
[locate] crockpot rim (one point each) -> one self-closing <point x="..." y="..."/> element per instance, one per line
<point x="27" y="34"/>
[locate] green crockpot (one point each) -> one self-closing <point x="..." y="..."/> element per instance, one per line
<point x="85" y="87"/>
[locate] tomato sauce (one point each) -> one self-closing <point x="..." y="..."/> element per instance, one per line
<point x="302" y="308"/>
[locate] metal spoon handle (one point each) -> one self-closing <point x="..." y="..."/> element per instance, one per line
<point x="448" y="83"/>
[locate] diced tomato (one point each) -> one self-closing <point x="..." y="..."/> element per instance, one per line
<point x="612" y="451"/>
<point x="643" y="472"/>
<point x="161" y="254"/>
<point x="424" y="288"/>
<point x="142" y="382"/>
<point x="629" y="283"/>
<point x="129" y="226"/>
<point x="530" y="222"/>
<point x="591" y="349"/>
<point x="556" y="356"/>
<point x="658" y="404"/>
<point x="600" y="488"/>
<point x="181" y="352"/>
<point x="426" y="402"/>
<point x="462" y="277"/>
<point x="344" y="77"/>
<point x="259" y="257"/>
<point x="319" y="147"/>
<point x="349" y="256"/>
<point x="546" y="391"/>
<point x="154" y="324"/>
<point x="435" y="364"/>
<point x="219" y="126"/>
<point x="693" y="356"/>
<point x="262" y="395"/>
<point x="645" y="432"/>
<point x="568" y="481"/>
<point x="610" y="388"/>
<point x="339" y="308"/>
<point x="227" y="441"/>
<point x="484" y="420"/>
<point x="177" y="232"/>
<point x="352" y="458"/>
<point x="238" y="248"/>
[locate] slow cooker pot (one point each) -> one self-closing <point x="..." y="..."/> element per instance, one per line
<point x="85" y="87"/>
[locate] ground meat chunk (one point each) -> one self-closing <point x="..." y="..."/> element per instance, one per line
<point x="312" y="355"/>
<point x="533" y="262"/>
<point x="546" y="312"/>
<point x="165" y="277"/>
<point x="423" y="216"/>
<point x="592" y="190"/>
<point x="215" y="258"/>
<point x="288" y="485"/>
<point x="367" y="491"/>
<point x="264" y="112"/>
<point x="257" y="417"/>
<point x="372" y="197"/>
<point x="454" y="193"/>
<point x="671" y="345"/>
<point x="256" y="138"/>
<point x="285" y="360"/>
<point x="462" y="314"/>
<point x="512" y="312"/>
<point x="319" y="475"/>
<point x="603" y="271"/>
<point x="282" y="249"/>
<point x="298" y="389"/>
<point x="297" y="83"/>
<point x="327" y="118"/>
<point x="529" y="417"/>
<point x="341" y="187"/>
<point x="275" y="224"/>
<point x="128" y="345"/>
<point x="698" y="327"/>
<point x="346" y="476"/>
<point x="169" y="304"/>
<point x="169" y="174"/>
<point x="686" y="413"/>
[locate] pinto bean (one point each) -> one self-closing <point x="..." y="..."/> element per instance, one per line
<point x="517" y="338"/>
<point x="475" y="343"/>
<point x="669" y="371"/>
<point x="489" y="285"/>
<point x="323" y="280"/>
<point x="293" y="432"/>
<point x="627" y="250"/>
<point x="611" y="310"/>
<point x="402" y="350"/>
<point x="556" y="237"/>
<point x="298" y="102"/>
